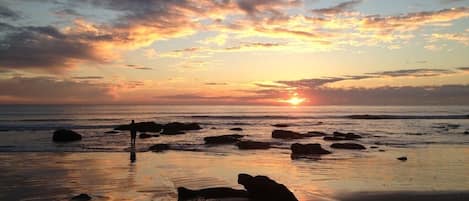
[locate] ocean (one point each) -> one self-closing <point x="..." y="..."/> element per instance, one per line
<point x="432" y="137"/>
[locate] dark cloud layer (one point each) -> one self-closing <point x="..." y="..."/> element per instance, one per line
<point x="339" y="8"/>
<point x="7" y="13"/>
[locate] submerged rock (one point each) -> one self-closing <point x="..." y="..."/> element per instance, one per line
<point x="253" y="145"/>
<point x="236" y="129"/>
<point x="223" y="139"/>
<point x="159" y="147"/>
<point x="142" y="127"/>
<point x="177" y="128"/>
<point x="286" y="134"/>
<point x="172" y="132"/>
<point x="210" y="193"/>
<point x="466" y="132"/>
<point x="348" y="146"/>
<point x="315" y="134"/>
<point x="81" y="197"/>
<point x="337" y="136"/>
<point x="64" y="135"/>
<point x="111" y="132"/>
<point x="403" y="158"/>
<point x="263" y="188"/>
<point x="308" y="149"/>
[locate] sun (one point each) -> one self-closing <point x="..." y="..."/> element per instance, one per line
<point x="295" y="100"/>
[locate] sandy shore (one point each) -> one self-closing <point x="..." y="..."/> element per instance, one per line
<point x="431" y="173"/>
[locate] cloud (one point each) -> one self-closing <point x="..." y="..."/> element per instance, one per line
<point x="46" y="48"/>
<point x="462" y="38"/>
<point x="337" y="9"/>
<point x="7" y="13"/>
<point x="421" y="72"/>
<point x="138" y="67"/>
<point x="32" y="90"/>
<point x="88" y="77"/>
<point x="251" y="45"/>
<point x="464" y="69"/>
<point x="216" y="83"/>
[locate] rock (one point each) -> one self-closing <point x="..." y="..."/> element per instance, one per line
<point x="281" y="125"/>
<point x="337" y="136"/>
<point x="81" y="197"/>
<point x="381" y="150"/>
<point x="111" y="132"/>
<point x="210" y="193"/>
<point x="159" y="147"/>
<point x="374" y="147"/>
<point x="403" y="158"/>
<point x="236" y="129"/>
<point x="182" y="126"/>
<point x="285" y="134"/>
<point x="64" y="135"/>
<point x="466" y="132"/>
<point x="213" y="128"/>
<point x="263" y="188"/>
<point x="307" y="149"/>
<point x="253" y="145"/>
<point x="144" y="135"/>
<point x="314" y="134"/>
<point x="142" y="127"/>
<point x="347" y="146"/>
<point x="223" y="139"/>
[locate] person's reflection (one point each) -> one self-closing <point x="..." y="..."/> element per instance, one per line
<point x="133" y="155"/>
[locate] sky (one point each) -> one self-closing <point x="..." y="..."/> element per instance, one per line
<point x="235" y="52"/>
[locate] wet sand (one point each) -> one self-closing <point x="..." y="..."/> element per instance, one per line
<point x="435" y="172"/>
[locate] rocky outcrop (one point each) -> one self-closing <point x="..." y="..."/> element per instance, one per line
<point x="64" y="135"/>
<point x="308" y="149"/>
<point x="223" y="139"/>
<point x="176" y="128"/>
<point x="210" y="193"/>
<point x="142" y="127"/>
<point x="286" y="134"/>
<point x="263" y="188"/>
<point x="348" y="146"/>
<point x="253" y="145"/>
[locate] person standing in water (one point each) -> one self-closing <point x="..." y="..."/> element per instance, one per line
<point x="133" y="133"/>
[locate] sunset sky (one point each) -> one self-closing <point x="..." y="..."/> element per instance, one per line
<point x="359" y="52"/>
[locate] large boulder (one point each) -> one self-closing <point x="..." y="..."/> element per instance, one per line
<point x="223" y="139"/>
<point x="210" y="193"/>
<point x="252" y="145"/>
<point x="64" y="135"/>
<point x="348" y="146"/>
<point x="142" y="127"/>
<point x="308" y="149"/>
<point x="286" y="134"/>
<point x="263" y="188"/>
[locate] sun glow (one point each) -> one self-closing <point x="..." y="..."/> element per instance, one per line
<point x="294" y="100"/>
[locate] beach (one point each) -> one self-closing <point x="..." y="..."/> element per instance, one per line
<point x="100" y="165"/>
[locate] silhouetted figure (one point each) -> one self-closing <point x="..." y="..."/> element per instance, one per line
<point x="133" y="133"/>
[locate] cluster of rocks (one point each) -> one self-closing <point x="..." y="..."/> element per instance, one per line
<point x="338" y="136"/>
<point x="259" y="188"/>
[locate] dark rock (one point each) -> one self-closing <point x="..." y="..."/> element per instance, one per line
<point x="403" y="158"/>
<point x="64" y="135"/>
<point x="381" y="150"/>
<point x="182" y="126"/>
<point x="236" y="129"/>
<point x="466" y="132"/>
<point x="347" y="146"/>
<point x="142" y="127"/>
<point x="285" y="134"/>
<point x="223" y="139"/>
<point x="144" y="135"/>
<point x="159" y="147"/>
<point x="333" y="138"/>
<point x="281" y="125"/>
<point x="337" y="136"/>
<point x="81" y="197"/>
<point x="213" y="128"/>
<point x="314" y="134"/>
<point x="263" y="188"/>
<point x="210" y="193"/>
<point x="253" y="145"/>
<point x="111" y="132"/>
<point x="307" y="149"/>
<point x="374" y="147"/>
